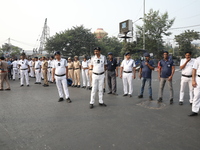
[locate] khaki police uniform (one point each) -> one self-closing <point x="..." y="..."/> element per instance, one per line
<point x="77" y="72"/>
<point x="71" y="71"/>
<point x="44" y="71"/>
<point x="4" y="74"/>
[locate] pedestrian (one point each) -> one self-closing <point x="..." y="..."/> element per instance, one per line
<point x="4" y="74"/>
<point x="196" y="85"/>
<point x="85" y="77"/>
<point x="129" y="73"/>
<point x="98" y="64"/>
<point x="166" y="69"/>
<point x="145" y="73"/>
<point x="77" y="67"/>
<point x="24" y="70"/>
<point x="44" y="71"/>
<point x="112" y="74"/>
<point x="15" y="68"/>
<point x="37" y="71"/>
<point x="71" y="70"/>
<point x="60" y="75"/>
<point x="186" y="65"/>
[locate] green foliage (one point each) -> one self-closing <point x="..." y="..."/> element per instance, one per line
<point x="184" y="41"/>
<point x="10" y="49"/>
<point x="156" y="26"/>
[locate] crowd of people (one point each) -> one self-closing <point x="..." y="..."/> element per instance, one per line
<point x="96" y="69"/>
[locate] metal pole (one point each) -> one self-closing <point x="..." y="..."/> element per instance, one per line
<point x="144" y="27"/>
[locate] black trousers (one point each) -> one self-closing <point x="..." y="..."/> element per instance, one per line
<point x="112" y="83"/>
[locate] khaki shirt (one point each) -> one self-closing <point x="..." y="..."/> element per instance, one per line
<point x="3" y="66"/>
<point x="70" y="65"/>
<point x="44" y="65"/>
<point x="76" y="64"/>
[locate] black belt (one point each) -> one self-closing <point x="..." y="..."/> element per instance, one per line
<point x="60" y="75"/>
<point x="37" y="68"/>
<point x="24" y="69"/>
<point x="70" y="68"/>
<point x="49" y="67"/>
<point x="127" y="71"/>
<point x="77" y="68"/>
<point x="99" y="73"/>
<point x="188" y="76"/>
<point x="198" y="75"/>
<point x="111" y="70"/>
<point x="90" y="69"/>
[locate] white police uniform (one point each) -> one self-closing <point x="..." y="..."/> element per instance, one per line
<point x="31" y="69"/>
<point x="41" y="74"/>
<point x="15" y="69"/>
<point x="60" y="77"/>
<point x="98" y="77"/>
<point x="38" y="71"/>
<point x="24" y="71"/>
<point x="186" y="78"/>
<point x="85" y="76"/>
<point x="196" y="99"/>
<point x="127" y="75"/>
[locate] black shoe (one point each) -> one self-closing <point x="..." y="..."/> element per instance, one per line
<point x="150" y="98"/>
<point x="78" y="86"/>
<point x="75" y="86"/>
<point x="21" y="85"/>
<point x="28" y="85"/>
<point x="8" y="89"/>
<point x="45" y="85"/>
<point x="102" y="104"/>
<point x="193" y="114"/>
<point x="13" y="79"/>
<point x="83" y="87"/>
<point x="87" y="88"/>
<point x="36" y="82"/>
<point x="125" y="95"/>
<point x="114" y="94"/>
<point x="171" y="101"/>
<point x="39" y="82"/>
<point x="104" y="90"/>
<point x="91" y="106"/>
<point x="140" y="96"/>
<point x="130" y="95"/>
<point x="60" y="100"/>
<point x="19" y="78"/>
<point x="1" y="89"/>
<point x="180" y="103"/>
<point x="160" y="100"/>
<point x="68" y="100"/>
<point x="109" y="93"/>
<point x="191" y="104"/>
<point x="90" y="88"/>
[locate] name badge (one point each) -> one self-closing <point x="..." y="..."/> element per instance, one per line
<point x="168" y="65"/>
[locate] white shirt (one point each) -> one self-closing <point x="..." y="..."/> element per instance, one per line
<point x="188" y="68"/>
<point x="60" y="66"/>
<point x="85" y="64"/>
<point x="128" y="64"/>
<point x="23" y="64"/>
<point x="37" y="64"/>
<point x="197" y="65"/>
<point x="14" y="64"/>
<point x="98" y="63"/>
<point x="30" y="63"/>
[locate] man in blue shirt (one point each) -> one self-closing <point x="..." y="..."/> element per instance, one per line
<point x="145" y="72"/>
<point x="166" y="70"/>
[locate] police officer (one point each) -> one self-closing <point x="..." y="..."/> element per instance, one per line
<point x="84" y="70"/>
<point x="166" y="71"/>
<point x="24" y="69"/>
<point x="186" y="65"/>
<point x="15" y="68"/>
<point x="196" y="85"/>
<point x="4" y="74"/>
<point x="90" y="74"/>
<point x="112" y="73"/>
<point x="98" y="64"/>
<point x="145" y="72"/>
<point x="128" y="70"/>
<point x="44" y="71"/>
<point x="71" y="70"/>
<point x="37" y="71"/>
<point x="50" y="63"/>
<point x="60" y="74"/>
<point x="77" y="66"/>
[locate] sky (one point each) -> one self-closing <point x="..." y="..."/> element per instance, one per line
<point x="22" y="20"/>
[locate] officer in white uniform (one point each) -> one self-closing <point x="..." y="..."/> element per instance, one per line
<point x="186" y="65"/>
<point x="49" y="74"/>
<point x="60" y="74"/>
<point x="128" y="69"/>
<point x="85" y="76"/>
<point x="37" y="71"/>
<point x="15" y="68"/>
<point x="196" y="85"/>
<point x="31" y="74"/>
<point x="24" y="70"/>
<point x="98" y="64"/>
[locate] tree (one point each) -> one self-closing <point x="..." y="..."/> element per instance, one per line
<point x="71" y="42"/>
<point x="184" y="41"/>
<point x="156" y="26"/>
<point x="9" y="50"/>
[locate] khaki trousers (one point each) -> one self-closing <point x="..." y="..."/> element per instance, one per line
<point x="44" y="72"/>
<point x="77" y="77"/>
<point x="71" y="75"/>
<point x="4" y="77"/>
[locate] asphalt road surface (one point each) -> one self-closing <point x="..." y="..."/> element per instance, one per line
<point x="32" y="119"/>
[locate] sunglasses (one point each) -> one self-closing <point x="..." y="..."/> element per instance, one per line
<point x="22" y="62"/>
<point x="58" y="64"/>
<point x="98" y="61"/>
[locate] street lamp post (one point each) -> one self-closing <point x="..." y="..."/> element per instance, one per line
<point x="144" y="27"/>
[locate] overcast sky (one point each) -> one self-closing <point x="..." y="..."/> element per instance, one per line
<point x="22" y="20"/>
